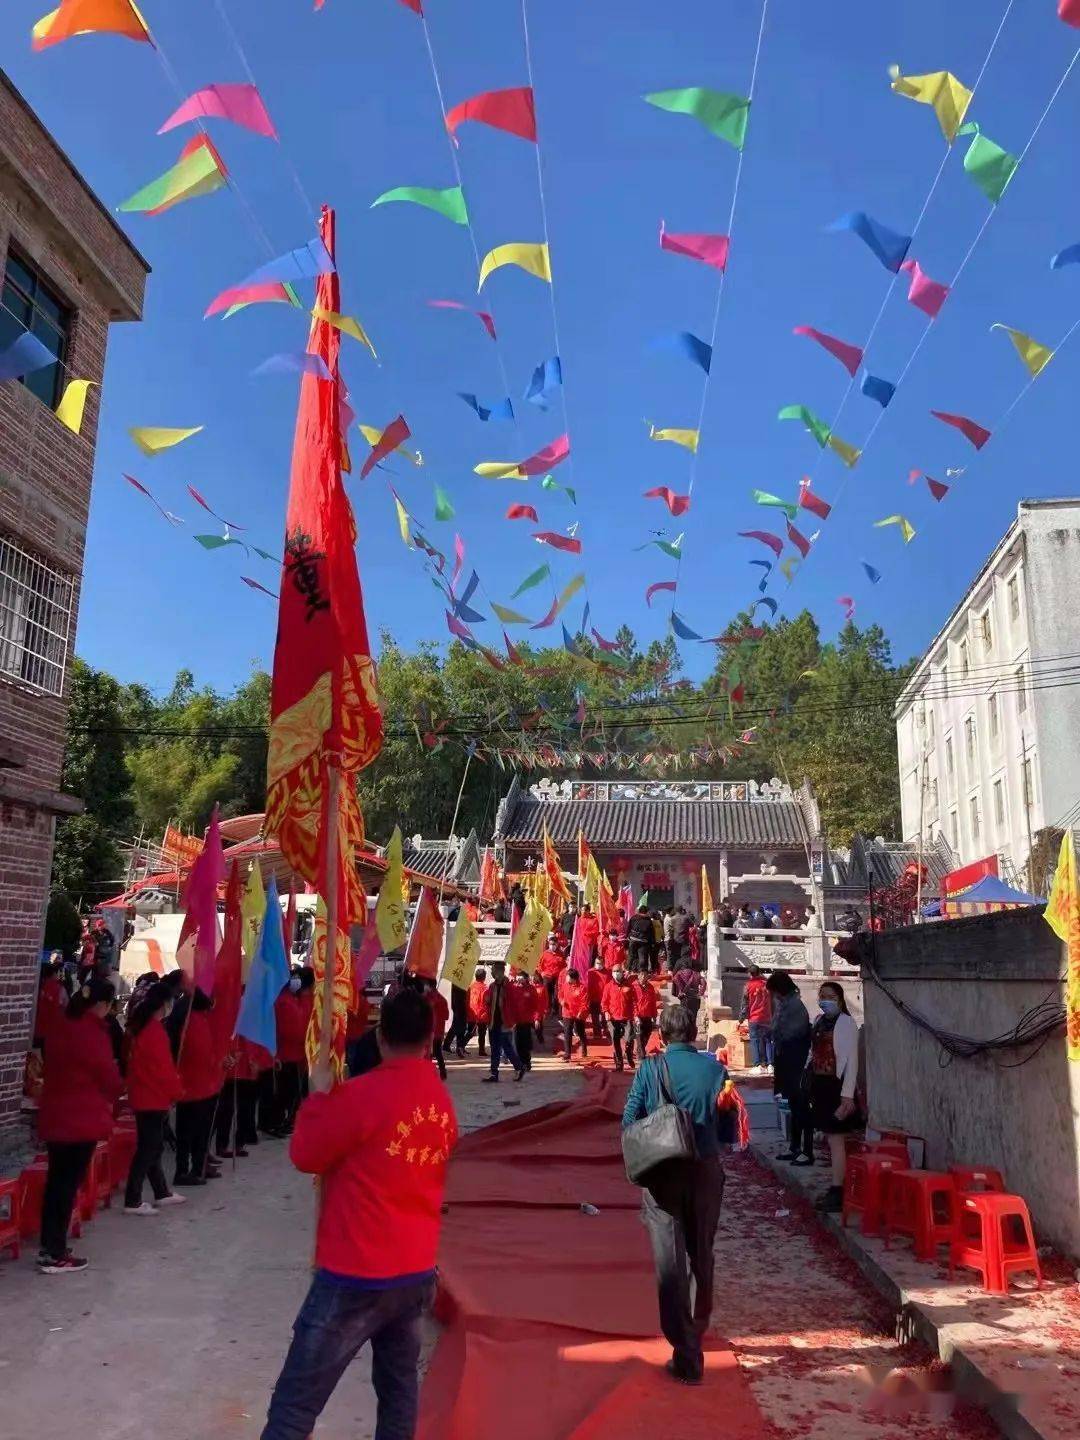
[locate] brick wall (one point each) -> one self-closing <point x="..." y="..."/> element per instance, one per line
<point x="45" y="480"/>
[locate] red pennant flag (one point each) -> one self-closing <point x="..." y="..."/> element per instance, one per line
<point x="1069" y="11"/>
<point x="523" y="512"/>
<point x="549" y="618"/>
<point x="660" y="585"/>
<point x="395" y="434"/>
<point x="812" y="502"/>
<point x="968" y="428"/>
<point x="482" y="315"/>
<point x="513" y="654"/>
<point x="413" y="5"/>
<point x="799" y="541"/>
<point x="510" y="110"/>
<point x="288" y="920"/>
<point x="547" y="458"/>
<point x="325" y="723"/>
<point x="424" y="950"/>
<point x="227" y="966"/>
<point x="850" y="356"/>
<point x="937" y="489"/>
<point x="774" y="543"/>
<point x="848" y="604"/>
<point x="608" y="645"/>
<point x="677" y="504"/>
<point x="557" y="541"/>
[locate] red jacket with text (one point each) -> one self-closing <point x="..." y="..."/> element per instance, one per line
<point x="574" y="1000"/>
<point x="440" y="1013"/>
<point x="524" y="1003"/>
<point x="153" y="1080"/>
<point x="82" y="1083"/>
<point x="551" y="964"/>
<point x="589" y="929"/>
<point x="614" y="953"/>
<point x="291" y="1016"/>
<point x="595" y="982"/>
<point x="478" y="1011"/>
<point x="618" y="1001"/>
<point x="380" y="1143"/>
<point x="646" y="1000"/>
<point x="202" y="1069"/>
<point x="757" y="1002"/>
<point x="540" y="1001"/>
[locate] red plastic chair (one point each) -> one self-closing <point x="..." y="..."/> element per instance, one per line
<point x="994" y="1236"/>
<point x="890" y="1147"/>
<point x="922" y="1204"/>
<point x="102" y="1172"/>
<point x="866" y="1182"/>
<point x="122" y="1145"/>
<point x="10" y="1207"/>
<point x="975" y="1178"/>
<point x="31" y="1193"/>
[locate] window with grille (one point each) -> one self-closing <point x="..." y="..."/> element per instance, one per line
<point x="35" y="617"/>
<point x="29" y="302"/>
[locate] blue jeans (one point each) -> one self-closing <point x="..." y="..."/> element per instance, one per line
<point x="502" y="1046"/>
<point x="334" y="1324"/>
<point x="761" y="1050"/>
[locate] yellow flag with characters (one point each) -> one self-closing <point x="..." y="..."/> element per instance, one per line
<point x="390" y="908"/>
<point x="463" y="956"/>
<point x="593" y="882"/>
<point x="1062" y="914"/>
<point x="252" y="910"/>
<point x="528" y="943"/>
<point x="707" y="906"/>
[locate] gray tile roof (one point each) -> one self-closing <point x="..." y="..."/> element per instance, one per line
<point x="652" y="824"/>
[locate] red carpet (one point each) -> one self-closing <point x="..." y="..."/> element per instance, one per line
<point x="551" y="1320"/>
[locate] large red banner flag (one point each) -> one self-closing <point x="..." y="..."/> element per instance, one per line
<point x="324" y="710"/>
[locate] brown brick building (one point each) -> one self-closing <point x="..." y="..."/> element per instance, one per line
<point x="68" y="272"/>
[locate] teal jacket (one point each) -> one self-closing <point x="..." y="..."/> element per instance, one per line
<point x="696" y="1082"/>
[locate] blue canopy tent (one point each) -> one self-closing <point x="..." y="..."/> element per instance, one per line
<point x="989" y="893"/>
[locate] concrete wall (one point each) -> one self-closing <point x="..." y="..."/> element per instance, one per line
<point x="734" y="983"/>
<point x="977" y="977"/>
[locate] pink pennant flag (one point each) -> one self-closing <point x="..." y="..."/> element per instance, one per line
<point x="1069" y="11"/>
<point x="513" y="654"/>
<point x="557" y="541"/>
<point x="660" y="585"/>
<point x="774" y="543"/>
<point x="799" y="541"/>
<point x="510" y="110"/>
<point x="172" y="519"/>
<point x="913" y="476"/>
<point x="199" y="900"/>
<point x="247" y="295"/>
<point x="242" y="104"/>
<point x="968" y="428"/>
<point x="709" y="249"/>
<point x="523" y="512"/>
<point x="579" y="951"/>
<point x="456" y="627"/>
<point x="812" y="502"/>
<point x="395" y="434"/>
<point x="414" y="6"/>
<point x="459" y="561"/>
<point x="549" y="618"/>
<point x="937" y="489"/>
<point x="608" y="645"/>
<point x="547" y="458"/>
<point x="677" y="504"/>
<point x="926" y="294"/>
<point x="254" y="585"/>
<point x="200" y="501"/>
<point x="848" y="604"/>
<point x="850" y="356"/>
<point x="482" y="315"/>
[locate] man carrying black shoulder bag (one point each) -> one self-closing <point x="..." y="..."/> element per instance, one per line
<point x="677" y="1119"/>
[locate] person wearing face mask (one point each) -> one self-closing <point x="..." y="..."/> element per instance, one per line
<point x="833" y="1071"/>
<point x="154" y="1085"/>
<point x="201" y="1067"/>
<point x="618" y="1003"/>
<point x="289" y="1013"/>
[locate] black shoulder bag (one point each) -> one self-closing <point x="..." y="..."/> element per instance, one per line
<point x="664" y="1135"/>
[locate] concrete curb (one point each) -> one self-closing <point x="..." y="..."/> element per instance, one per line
<point x="915" y="1321"/>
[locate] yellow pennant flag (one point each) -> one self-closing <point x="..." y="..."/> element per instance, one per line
<point x="72" y="404"/>
<point x="1062" y="914"/>
<point x="1035" y="356"/>
<point x="686" y="438"/>
<point x="906" y="527"/>
<point x="252" y="911"/>
<point x="372" y="434"/>
<point x="508" y="616"/>
<point x="347" y="324"/>
<point x="402" y="520"/>
<point x="707" y="906"/>
<point x="529" y="938"/>
<point x="536" y="259"/>
<point x="569" y="592"/>
<point x="390" y="908"/>
<point x="463" y="954"/>
<point x="949" y="97"/>
<point x="499" y="470"/>
<point x="848" y="454"/>
<point x="152" y="438"/>
<point x="593" y="881"/>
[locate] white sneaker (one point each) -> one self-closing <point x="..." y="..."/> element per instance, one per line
<point x="171" y="1200"/>
<point x="143" y="1209"/>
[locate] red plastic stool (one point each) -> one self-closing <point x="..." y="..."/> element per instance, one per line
<point x="982" y="1240"/>
<point x="866" y="1182"/>
<point x="914" y="1206"/>
<point x="31" y="1193"/>
<point x="976" y="1178"/>
<point x="10" y="1206"/>
<point x="890" y="1147"/>
<point x="102" y="1175"/>
<point x="122" y="1145"/>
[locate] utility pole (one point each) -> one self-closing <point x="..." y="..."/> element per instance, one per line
<point x="1026" y="792"/>
<point x="922" y="806"/>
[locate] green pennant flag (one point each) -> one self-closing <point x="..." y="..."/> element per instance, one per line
<point x="531" y="580"/>
<point x="669" y="547"/>
<point x="215" y="542"/>
<point x="816" y="426"/>
<point x="508" y="616"/>
<point x="197" y="174"/>
<point x="450" y="203"/>
<point x="762" y="497"/>
<point x="265" y="555"/>
<point x="988" y="164"/>
<point x="724" y="115"/>
<point x="443" y="509"/>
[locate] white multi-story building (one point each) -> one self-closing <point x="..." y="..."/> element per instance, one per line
<point x="988" y="726"/>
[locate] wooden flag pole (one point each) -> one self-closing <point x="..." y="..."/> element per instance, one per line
<point x="331" y="899"/>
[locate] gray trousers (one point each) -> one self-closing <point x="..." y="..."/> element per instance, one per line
<point x="681" y="1211"/>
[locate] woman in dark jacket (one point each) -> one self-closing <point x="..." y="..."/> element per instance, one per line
<point x="82" y="1085"/>
<point x="791" y="1046"/>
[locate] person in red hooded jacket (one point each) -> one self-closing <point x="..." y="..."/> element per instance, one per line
<point x="541" y="1005"/>
<point x="550" y="967"/>
<point x="52" y="1000"/>
<point x="440" y="1018"/>
<point x="614" y="952"/>
<point x="82" y="1085"/>
<point x="595" y="982"/>
<point x="618" y="1003"/>
<point x="479" y="1014"/>
<point x="202" y="1074"/>
<point x="589" y="929"/>
<point x="524" y="1017"/>
<point x="756" y="1010"/>
<point x="574" y="1000"/>
<point x="646" y="1008"/>
<point x="154" y="1085"/>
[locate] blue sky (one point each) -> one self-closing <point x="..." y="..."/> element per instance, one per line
<point x="351" y="93"/>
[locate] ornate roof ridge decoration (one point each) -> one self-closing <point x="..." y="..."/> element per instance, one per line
<point x="726" y="791"/>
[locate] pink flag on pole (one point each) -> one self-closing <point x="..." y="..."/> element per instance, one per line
<point x="709" y="249"/>
<point x="579" y="951"/>
<point x="197" y="945"/>
<point x="850" y="356"/>
<point x="482" y="315"/>
<point x="242" y="104"/>
<point x="926" y="294"/>
<point x="766" y="537"/>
